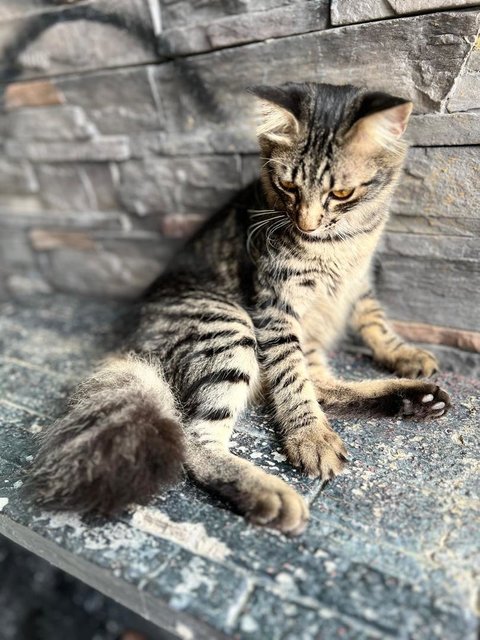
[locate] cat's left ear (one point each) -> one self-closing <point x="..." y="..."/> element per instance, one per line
<point x="381" y="119"/>
<point x="280" y="109"/>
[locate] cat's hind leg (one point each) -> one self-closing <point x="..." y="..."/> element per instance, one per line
<point x="406" y="360"/>
<point x="217" y="374"/>
<point x="415" y="399"/>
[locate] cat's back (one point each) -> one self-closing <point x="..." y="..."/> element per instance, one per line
<point x="215" y="258"/>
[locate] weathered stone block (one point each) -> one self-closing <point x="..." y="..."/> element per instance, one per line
<point x="77" y="187"/>
<point x="97" y="150"/>
<point x="424" y="56"/>
<point x="48" y="239"/>
<point x="118" y="267"/>
<point x="11" y="9"/>
<point x="105" y="33"/>
<point x="466" y="91"/>
<point x="15" y="249"/>
<point x="120" y="101"/>
<point x="347" y="12"/>
<point x="18" y="206"/>
<point x="172" y="185"/>
<point x="26" y="284"/>
<point x="430" y="279"/>
<point x="219" y="26"/>
<point x="52" y="123"/>
<point x="438" y="191"/>
<point x="17" y="177"/>
<point x="215" y="139"/>
<point x="444" y="129"/>
<point x="181" y="225"/>
<point x="32" y="94"/>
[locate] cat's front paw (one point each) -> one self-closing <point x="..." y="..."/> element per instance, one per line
<point x="424" y="400"/>
<point x="316" y="450"/>
<point x="277" y="506"/>
<point x="411" y="362"/>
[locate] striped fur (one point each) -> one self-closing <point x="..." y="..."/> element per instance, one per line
<point x="250" y="306"/>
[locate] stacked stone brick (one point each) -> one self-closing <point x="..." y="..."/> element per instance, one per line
<point x="125" y="123"/>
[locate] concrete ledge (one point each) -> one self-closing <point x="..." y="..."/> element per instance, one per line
<point x="391" y="551"/>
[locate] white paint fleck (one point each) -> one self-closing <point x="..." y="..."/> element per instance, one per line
<point x="35" y="428"/>
<point x="183" y="631"/>
<point x="279" y="457"/>
<point x="248" y="624"/>
<point x="191" y="536"/>
<point x="29" y="458"/>
<point x="3" y="503"/>
<point x="17" y="484"/>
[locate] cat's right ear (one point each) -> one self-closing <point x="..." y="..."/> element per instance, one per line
<point x="278" y="114"/>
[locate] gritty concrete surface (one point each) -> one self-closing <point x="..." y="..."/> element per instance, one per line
<point x="392" y="546"/>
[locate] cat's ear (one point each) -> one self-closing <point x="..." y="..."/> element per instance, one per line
<point x="279" y="113"/>
<point x="381" y="119"/>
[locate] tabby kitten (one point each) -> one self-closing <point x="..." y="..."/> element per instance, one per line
<point x="249" y="309"/>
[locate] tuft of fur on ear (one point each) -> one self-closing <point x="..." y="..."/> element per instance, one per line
<point x="279" y="112"/>
<point x="382" y="120"/>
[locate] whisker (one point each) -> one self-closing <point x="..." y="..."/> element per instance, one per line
<point x="254" y="229"/>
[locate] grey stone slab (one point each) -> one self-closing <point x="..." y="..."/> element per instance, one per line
<point x="465" y="363"/>
<point x="391" y="550"/>
<point x="191" y="27"/>
<point x="16" y="250"/>
<point x="12" y="9"/>
<point x="77" y="187"/>
<point x="105" y="33"/>
<point x="17" y="445"/>
<point x="411" y="269"/>
<point x="23" y="219"/>
<point x="17" y="177"/>
<point x="465" y="92"/>
<point x="96" y="150"/>
<point x="209" y="88"/>
<point x="117" y="101"/>
<point x="347" y="12"/>
<point x="204" y="588"/>
<point x="444" y="129"/>
<point x="27" y="283"/>
<point x="109" y="271"/>
<point x="49" y="123"/>
<point x="34" y="388"/>
<point x="195" y="184"/>
<point x="265" y="609"/>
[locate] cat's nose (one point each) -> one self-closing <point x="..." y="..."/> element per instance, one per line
<point x="306" y="230"/>
<point x="308" y="218"/>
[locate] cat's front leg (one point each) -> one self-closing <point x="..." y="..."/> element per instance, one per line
<point x="308" y="440"/>
<point x="406" y="360"/>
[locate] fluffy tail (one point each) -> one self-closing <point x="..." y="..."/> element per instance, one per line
<point x="120" y="442"/>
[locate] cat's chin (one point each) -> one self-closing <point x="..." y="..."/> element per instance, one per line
<point x="318" y="233"/>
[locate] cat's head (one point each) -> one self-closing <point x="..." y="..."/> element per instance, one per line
<point x="331" y="154"/>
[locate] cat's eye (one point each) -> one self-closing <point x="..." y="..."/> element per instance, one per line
<point x="342" y="194"/>
<point x="288" y="186"/>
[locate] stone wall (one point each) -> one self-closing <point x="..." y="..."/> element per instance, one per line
<point x="124" y="124"/>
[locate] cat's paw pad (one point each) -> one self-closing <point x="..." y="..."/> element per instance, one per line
<point x="317" y="450"/>
<point x="278" y="506"/>
<point x="410" y="362"/>
<point x="425" y="401"/>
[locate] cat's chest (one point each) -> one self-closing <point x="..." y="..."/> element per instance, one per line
<point x="326" y="282"/>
